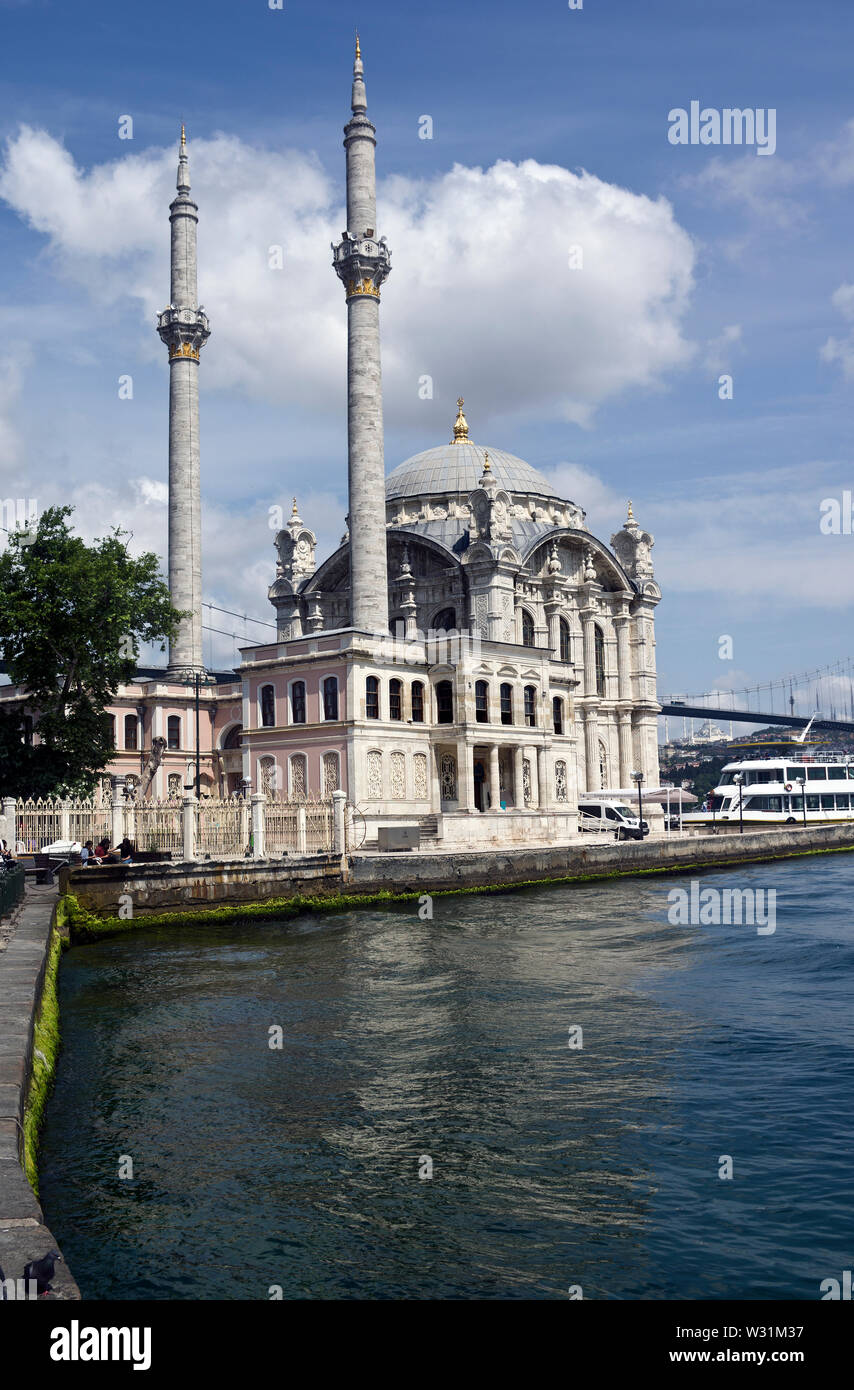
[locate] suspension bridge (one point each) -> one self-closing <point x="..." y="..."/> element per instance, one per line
<point x="824" y="694"/>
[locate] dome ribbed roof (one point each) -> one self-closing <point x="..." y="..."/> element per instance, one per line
<point x="457" y="468"/>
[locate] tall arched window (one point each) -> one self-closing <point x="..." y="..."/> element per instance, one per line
<point x="446" y="621"/>
<point x="111" y="728"/>
<point x="331" y="774"/>
<point x="173" y="731"/>
<point x="130" y="730"/>
<point x="232" y="738"/>
<point x="417" y="702"/>
<point x="599" y="647"/>
<point x="527" y="629"/>
<point x="531" y="706"/>
<point x="268" y="706"/>
<point x="557" y="714"/>
<point x="298" y="702"/>
<point x="506" y="703"/>
<point x="299" y="777"/>
<point x="444" y="702"/>
<point x="481" y="702"/>
<point x="330" y="697"/>
<point x="565" y="645"/>
<point x="395" y="699"/>
<point x="372" y="698"/>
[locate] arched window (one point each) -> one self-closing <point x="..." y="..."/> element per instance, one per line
<point x="372" y="698"/>
<point x="269" y="776"/>
<point x="130" y="730"/>
<point x="330" y="697"/>
<point x="444" y="702"/>
<point x="298" y="702"/>
<point x="599" y="647"/>
<point x="268" y="706"/>
<point x="446" y="621"/>
<point x="531" y="706"/>
<point x="331" y="774"/>
<point x="527" y="629"/>
<point x="565" y="645"/>
<point x="557" y="714"/>
<point x="299" y="777"/>
<point x="111" y="729"/>
<point x="395" y="700"/>
<point x="232" y="738"/>
<point x="173" y="731"/>
<point x="417" y="702"/>
<point x="506" y="703"/>
<point x="481" y="702"/>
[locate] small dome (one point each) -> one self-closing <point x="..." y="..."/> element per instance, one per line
<point x="457" y="468"/>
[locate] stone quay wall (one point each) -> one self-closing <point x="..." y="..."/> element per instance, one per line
<point x="181" y="887"/>
<point x="23" y="1233"/>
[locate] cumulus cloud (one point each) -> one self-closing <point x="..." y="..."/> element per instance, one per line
<point x="482" y="297"/>
<point x="841" y="350"/>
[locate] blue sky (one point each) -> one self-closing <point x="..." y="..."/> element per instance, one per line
<point x="609" y="384"/>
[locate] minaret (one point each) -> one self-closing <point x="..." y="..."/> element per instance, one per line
<point x="362" y="262"/>
<point x="185" y="330"/>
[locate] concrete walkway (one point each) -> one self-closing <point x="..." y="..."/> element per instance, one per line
<point x="23" y="1233"/>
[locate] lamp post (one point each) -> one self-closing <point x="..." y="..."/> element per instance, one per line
<point x="638" y="777"/>
<point x="196" y="680"/>
<point x="738" y="779"/>
<point x="801" y="784"/>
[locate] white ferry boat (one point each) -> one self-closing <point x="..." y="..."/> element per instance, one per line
<point x="771" y="790"/>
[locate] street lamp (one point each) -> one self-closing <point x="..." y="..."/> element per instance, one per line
<point x="800" y="782"/>
<point x="738" y="779"/>
<point x="638" y="777"/>
<point x="197" y="679"/>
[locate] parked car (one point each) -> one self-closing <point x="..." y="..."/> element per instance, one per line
<point x="603" y="815"/>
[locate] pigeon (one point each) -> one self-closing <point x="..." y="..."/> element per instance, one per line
<point x="42" y="1271"/>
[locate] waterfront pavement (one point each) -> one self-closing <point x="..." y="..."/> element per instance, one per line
<point x="23" y="1233"/>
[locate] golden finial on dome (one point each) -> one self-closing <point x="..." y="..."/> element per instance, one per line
<point x="631" y="515"/>
<point x="487" y="466"/>
<point x="294" y="511"/>
<point x="183" y="136"/>
<point x="358" y="49"/>
<point x="461" y="429"/>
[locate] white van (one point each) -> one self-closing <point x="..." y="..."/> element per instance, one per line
<point x="607" y="816"/>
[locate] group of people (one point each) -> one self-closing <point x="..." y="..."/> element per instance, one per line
<point x="103" y="854"/>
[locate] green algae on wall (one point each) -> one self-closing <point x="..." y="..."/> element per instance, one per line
<point x="46" y="1041"/>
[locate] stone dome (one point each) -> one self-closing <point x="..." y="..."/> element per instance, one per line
<point x="457" y="468"/>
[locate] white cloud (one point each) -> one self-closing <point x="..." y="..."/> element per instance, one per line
<point x="841" y="350"/>
<point x="481" y="296"/>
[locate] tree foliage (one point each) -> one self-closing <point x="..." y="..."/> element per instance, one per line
<point x="72" y="618"/>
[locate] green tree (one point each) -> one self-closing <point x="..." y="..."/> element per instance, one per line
<point x="72" y="617"/>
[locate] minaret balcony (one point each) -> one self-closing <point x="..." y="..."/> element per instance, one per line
<point x="184" y="331"/>
<point x="362" y="264"/>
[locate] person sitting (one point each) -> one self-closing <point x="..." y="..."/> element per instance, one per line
<point x="87" y="853"/>
<point x="102" y="848"/>
<point x="126" y="850"/>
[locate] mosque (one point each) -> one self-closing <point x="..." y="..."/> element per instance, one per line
<point x="470" y="658"/>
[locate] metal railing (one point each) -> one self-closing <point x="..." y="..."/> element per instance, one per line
<point x="12" y="882"/>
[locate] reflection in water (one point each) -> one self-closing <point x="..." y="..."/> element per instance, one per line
<point x="551" y="1166"/>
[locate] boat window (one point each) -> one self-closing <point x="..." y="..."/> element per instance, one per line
<point x="827" y="801"/>
<point x="816" y="774"/>
<point x="797" y="803"/>
<point x="842" y="801"/>
<point x="775" y="803"/>
<point x="726" y="779"/>
<point x="836" y="774"/>
<point x="813" y="803"/>
<point x="793" y="773"/>
<point x="775" y="774"/>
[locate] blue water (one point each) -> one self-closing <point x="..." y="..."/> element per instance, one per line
<point x="552" y="1167"/>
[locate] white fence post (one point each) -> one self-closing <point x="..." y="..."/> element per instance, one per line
<point x="302" y="841"/>
<point x="10" y="823"/>
<point x="339" y="804"/>
<point x="188" y="826"/>
<point x="259" y="824"/>
<point x="65" y="820"/>
<point x="117" y="831"/>
<point x="245" y="820"/>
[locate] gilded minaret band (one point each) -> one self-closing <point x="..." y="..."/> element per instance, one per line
<point x="362" y="262"/>
<point x="185" y="330"/>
